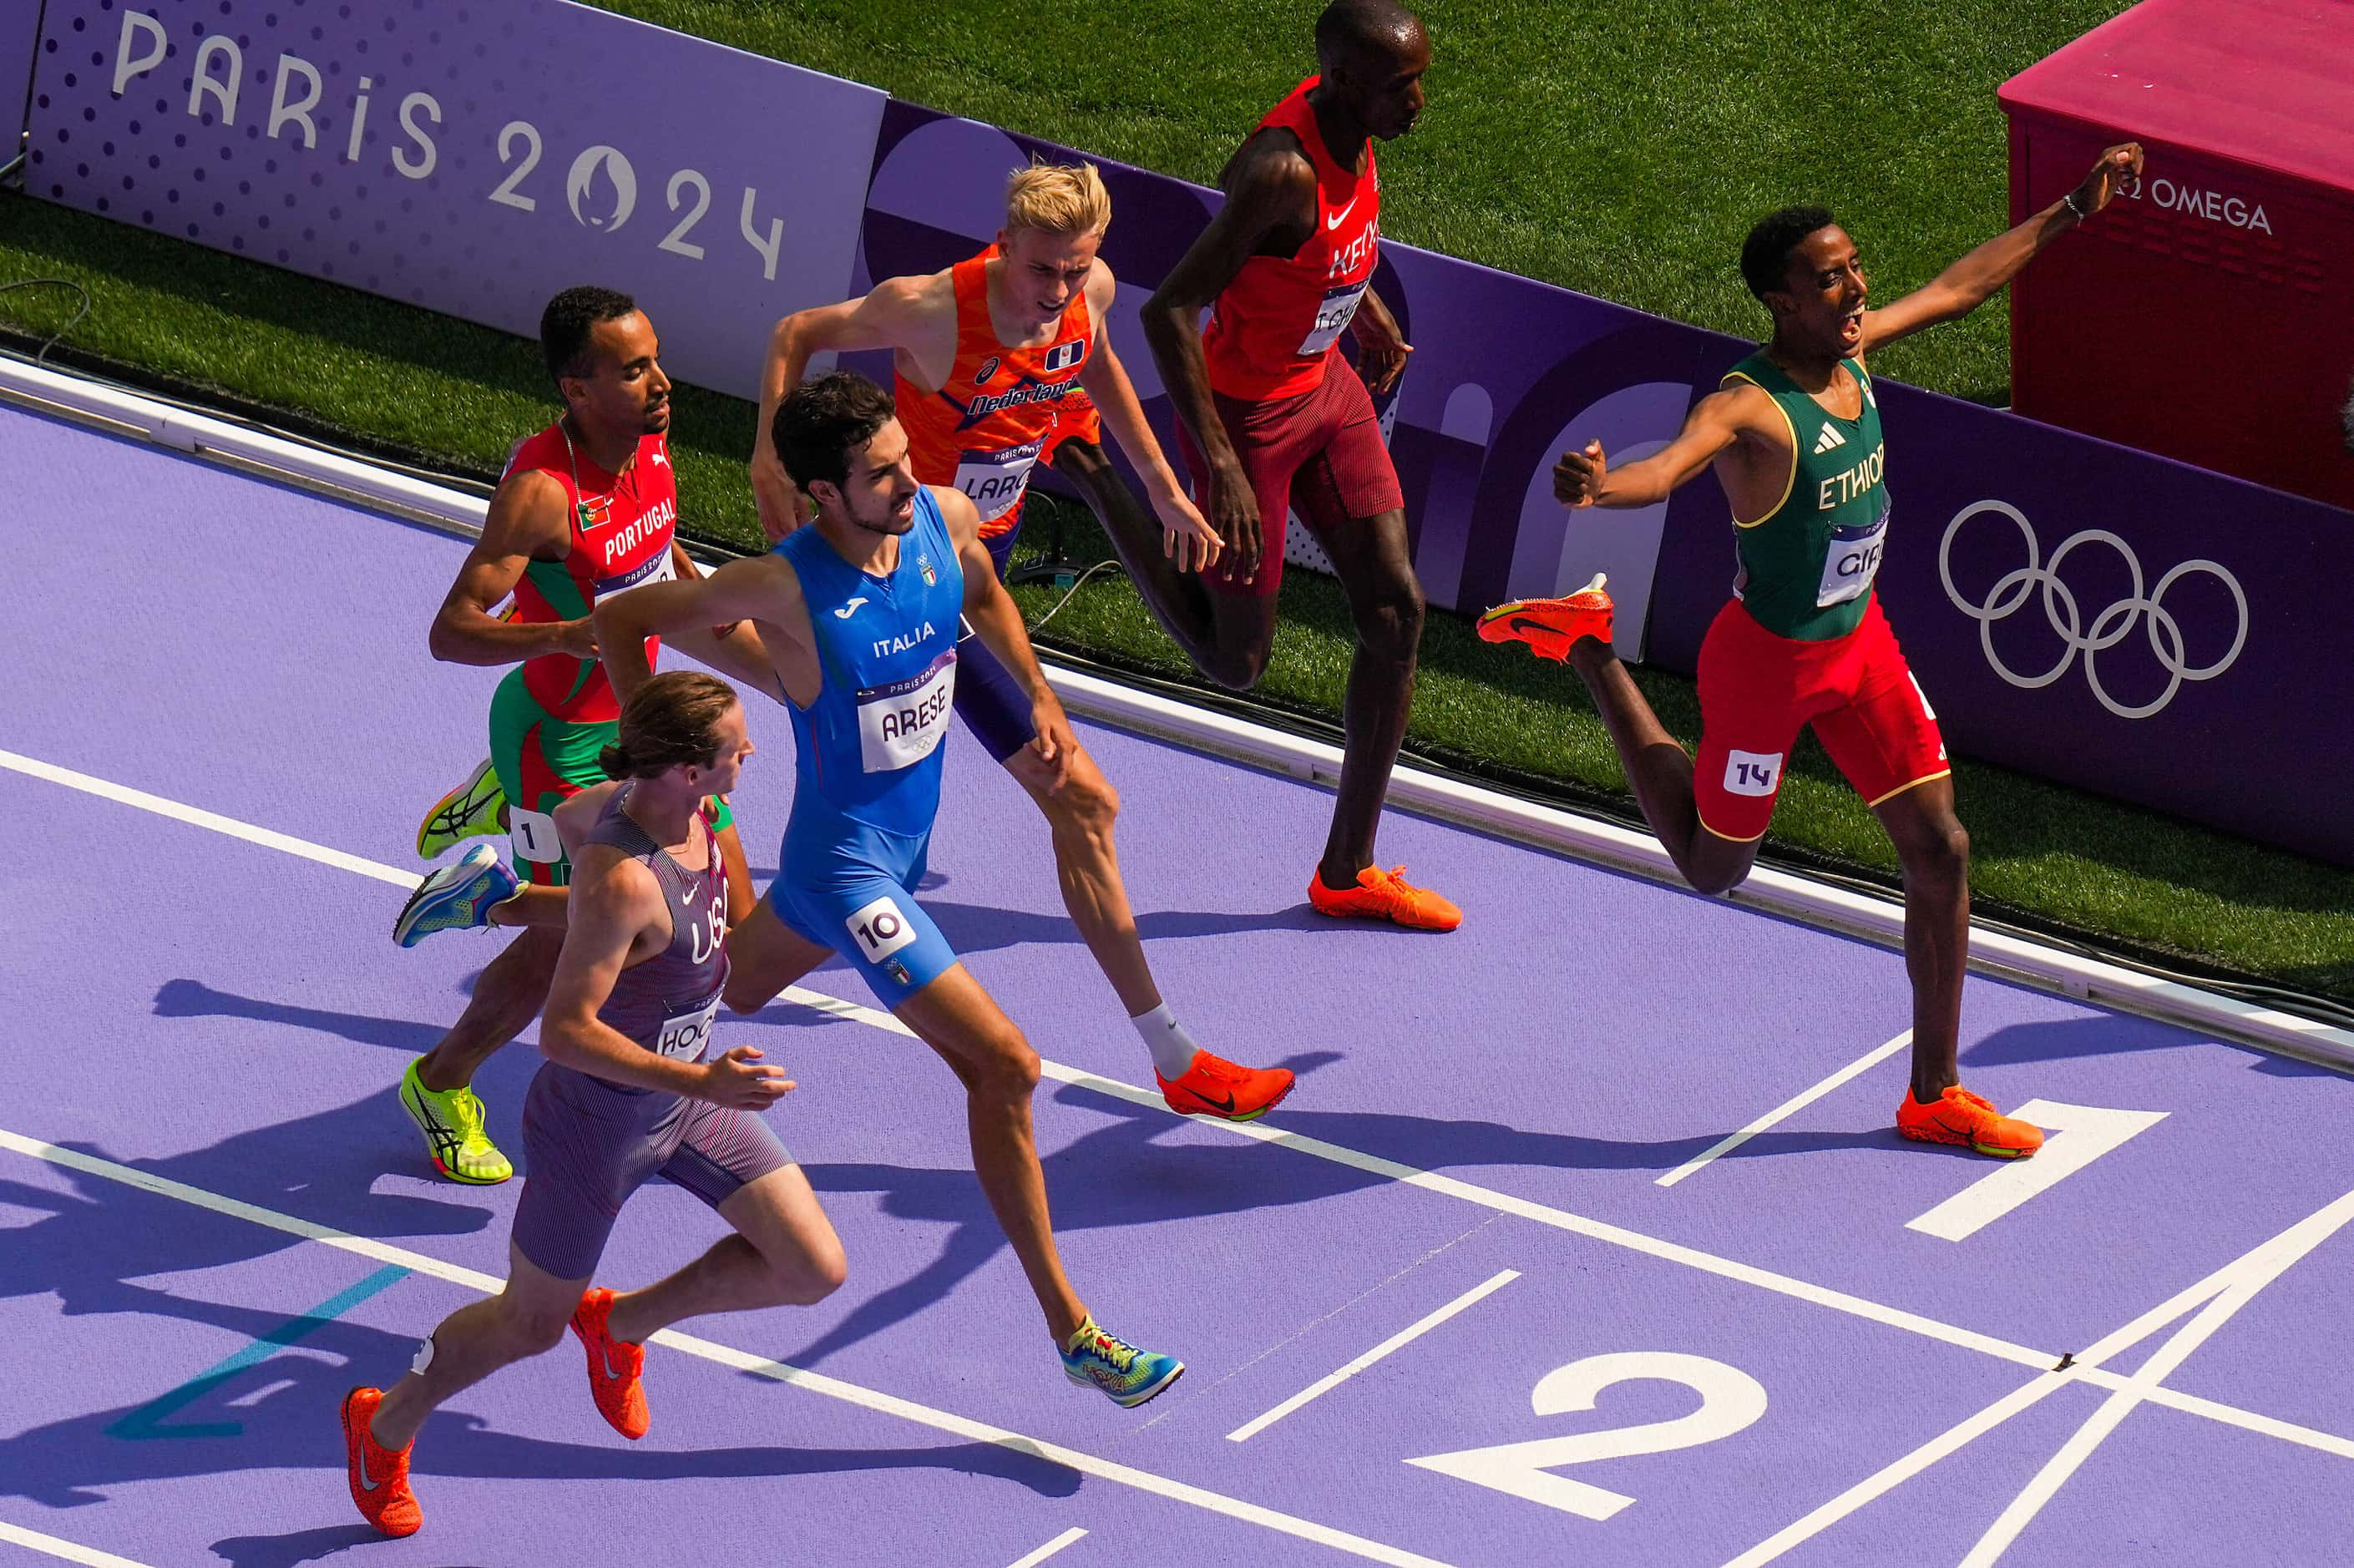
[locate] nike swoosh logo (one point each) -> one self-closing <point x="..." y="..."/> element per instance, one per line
<point x="1341" y="216"/>
<point x="1225" y="1106"/>
<point x="1520" y="623"/>
<point x="365" y="1484"/>
<point x="605" y="1354"/>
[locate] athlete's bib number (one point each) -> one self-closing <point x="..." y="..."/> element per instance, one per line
<point x="899" y="725"/>
<point x="684" y="1034"/>
<point x="881" y="928"/>
<point x="996" y="479"/>
<point x="1332" y="317"/>
<point x="1852" y="561"/>
<point x="535" y="836"/>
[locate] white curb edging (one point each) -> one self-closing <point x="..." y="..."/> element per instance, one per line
<point x="1606" y="843"/>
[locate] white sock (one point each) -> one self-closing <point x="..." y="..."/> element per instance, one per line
<point x="1172" y="1049"/>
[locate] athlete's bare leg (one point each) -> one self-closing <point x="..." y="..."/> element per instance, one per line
<point x="1226" y="636"/>
<point x="1081" y="815"/>
<point x="1375" y="567"/>
<point x="508" y="995"/>
<point x="784" y="1253"/>
<point x="764" y="957"/>
<point x="532" y="904"/>
<point x="528" y="1318"/>
<point x="1660" y="771"/>
<point x="1935" y="852"/>
<point x="957" y="1019"/>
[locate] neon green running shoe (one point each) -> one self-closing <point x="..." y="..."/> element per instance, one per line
<point x="472" y="809"/>
<point x="1124" y="1375"/>
<point x="452" y="1124"/>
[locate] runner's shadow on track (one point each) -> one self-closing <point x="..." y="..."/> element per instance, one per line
<point x="1122" y="1174"/>
<point x="103" y="1235"/>
<point x="2110" y="1035"/>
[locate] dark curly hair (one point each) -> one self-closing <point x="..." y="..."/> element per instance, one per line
<point x="820" y="422"/>
<point x="1765" y="254"/>
<point x="564" y="326"/>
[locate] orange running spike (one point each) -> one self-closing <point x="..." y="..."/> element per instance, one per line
<point x="1212" y="1085"/>
<point x="614" y="1367"/>
<point x="378" y="1475"/>
<point x="1960" y="1117"/>
<point x="1385" y="896"/>
<point x="1551" y="626"/>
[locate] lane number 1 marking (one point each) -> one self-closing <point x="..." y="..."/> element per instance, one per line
<point x="2089" y="1132"/>
<point x="1730" y="1400"/>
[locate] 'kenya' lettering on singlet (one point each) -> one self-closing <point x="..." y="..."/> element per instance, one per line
<point x="982" y="431"/>
<point x="869" y="746"/>
<point x="1272" y="329"/>
<point x="666" y="1004"/>
<point x="620" y="527"/>
<point x="1806" y="567"/>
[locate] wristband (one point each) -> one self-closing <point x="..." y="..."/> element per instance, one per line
<point x="2069" y="201"/>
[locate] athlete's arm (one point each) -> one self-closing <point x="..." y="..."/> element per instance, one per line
<point x="526" y="523"/>
<point x="1586" y="479"/>
<point x="1273" y="197"/>
<point x="897" y="314"/>
<point x="735" y="649"/>
<point x="1972" y="280"/>
<point x="761" y="589"/>
<point x="615" y="901"/>
<point x="990" y="610"/>
<point x="1184" y="538"/>
<point x="1382" y="348"/>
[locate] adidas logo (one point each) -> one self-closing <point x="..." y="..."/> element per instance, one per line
<point x="1829" y="438"/>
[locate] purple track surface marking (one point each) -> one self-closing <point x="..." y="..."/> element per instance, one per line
<point x="237" y="1019"/>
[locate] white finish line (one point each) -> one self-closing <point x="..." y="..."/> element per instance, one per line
<point x="1787" y="1108"/>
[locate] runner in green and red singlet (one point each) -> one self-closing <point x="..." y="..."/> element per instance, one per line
<point x="1793" y="437"/>
<point x="587" y="509"/>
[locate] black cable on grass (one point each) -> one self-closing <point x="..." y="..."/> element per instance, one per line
<point x="71" y="321"/>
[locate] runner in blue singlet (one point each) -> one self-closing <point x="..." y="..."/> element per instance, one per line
<point x="859" y="611"/>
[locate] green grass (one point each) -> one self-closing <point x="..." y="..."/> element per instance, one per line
<point x="1618" y="152"/>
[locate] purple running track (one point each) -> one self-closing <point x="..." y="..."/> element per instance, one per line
<point x="196" y="1007"/>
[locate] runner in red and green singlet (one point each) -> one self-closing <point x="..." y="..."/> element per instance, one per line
<point x="1793" y="437"/>
<point x="587" y="509"/>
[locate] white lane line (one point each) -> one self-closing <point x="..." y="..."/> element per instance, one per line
<point x="1788" y="1107"/>
<point x="2088" y="1367"/>
<point x="1065" y="1538"/>
<point x="2086" y="1132"/>
<point x="2255" y="1272"/>
<point x="197" y="816"/>
<point x="17" y="1535"/>
<point x="1388" y="1170"/>
<point x="1406" y="1336"/>
<point x="741" y="1361"/>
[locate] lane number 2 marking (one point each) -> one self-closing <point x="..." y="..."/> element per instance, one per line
<point x="2089" y="1132"/>
<point x="1730" y="1400"/>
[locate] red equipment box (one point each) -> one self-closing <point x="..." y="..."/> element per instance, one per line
<point x="2209" y="314"/>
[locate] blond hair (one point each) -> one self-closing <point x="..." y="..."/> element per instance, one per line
<point x="1057" y="199"/>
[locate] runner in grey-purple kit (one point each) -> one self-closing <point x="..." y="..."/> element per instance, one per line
<point x="627" y="1094"/>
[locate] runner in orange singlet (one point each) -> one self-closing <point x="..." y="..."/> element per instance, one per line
<point x="1274" y="419"/>
<point x="1002" y="363"/>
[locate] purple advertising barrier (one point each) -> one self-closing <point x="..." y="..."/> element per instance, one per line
<point x="20" y="35"/>
<point x="1503" y="367"/>
<point x="2113" y="620"/>
<point x="472" y="156"/>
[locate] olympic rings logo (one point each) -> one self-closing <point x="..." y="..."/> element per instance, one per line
<point x="2110" y="627"/>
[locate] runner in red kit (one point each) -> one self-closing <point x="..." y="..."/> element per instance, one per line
<point x="1274" y="419"/>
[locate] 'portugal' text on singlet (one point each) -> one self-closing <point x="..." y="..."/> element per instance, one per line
<point x="868" y="747"/>
<point x="620" y="529"/>
<point x="1272" y="329"/>
<point x="666" y="1004"/>
<point x="983" y="430"/>
<point x="1807" y="566"/>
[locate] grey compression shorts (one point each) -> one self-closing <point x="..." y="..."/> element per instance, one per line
<point x="588" y="1145"/>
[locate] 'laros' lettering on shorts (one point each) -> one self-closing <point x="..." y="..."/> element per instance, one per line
<point x="996" y="481"/>
<point x="684" y="1034"/>
<point x="1333" y="316"/>
<point x="901" y="723"/>
<point x="535" y="835"/>
<point x="881" y="928"/>
<point x="1752" y="772"/>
